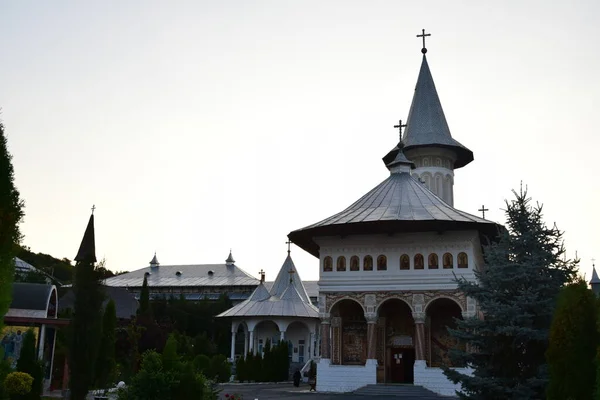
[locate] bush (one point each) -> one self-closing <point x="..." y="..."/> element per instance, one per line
<point x="202" y="364"/>
<point x="29" y="363"/>
<point x="220" y="370"/>
<point x="18" y="384"/>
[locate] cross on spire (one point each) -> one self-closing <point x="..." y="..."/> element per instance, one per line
<point x="424" y="35"/>
<point x="399" y="127"/>
<point x="93" y="208"/>
<point x="593" y="262"/>
<point x="483" y="210"/>
<point x="291" y="272"/>
<point x="289" y="244"/>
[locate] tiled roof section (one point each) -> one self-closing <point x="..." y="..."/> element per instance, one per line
<point x="204" y="275"/>
<point x="283" y="279"/>
<point x="427" y="125"/>
<point x="399" y="197"/>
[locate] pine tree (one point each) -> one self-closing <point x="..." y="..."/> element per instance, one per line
<point x="169" y="354"/>
<point x="11" y="213"/>
<point x="144" y="309"/>
<point x="106" y="364"/>
<point x="86" y="323"/>
<point x="516" y="292"/>
<point x="28" y="362"/>
<point x="573" y="341"/>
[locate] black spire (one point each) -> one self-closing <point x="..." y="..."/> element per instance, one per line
<point x="87" y="249"/>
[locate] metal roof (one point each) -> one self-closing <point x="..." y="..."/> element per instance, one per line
<point x="287" y="298"/>
<point x="427" y="125"/>
<point x="31" y="296"/>
<point x="87" y="249"/>
<point x="203" y="275"/>
<point x="126" y="304"/>
<point x="398" y="204"/>
<point x="595" y="278"/>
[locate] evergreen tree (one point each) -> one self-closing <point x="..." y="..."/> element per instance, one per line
<point x="169" y="355"/>
<point x="86" y="323"/>
<point x="573" y="340"/>
<point x="516" y="292"/>
<point x="28" y="362"/>
<point x="145" y="299"/>
<point x="11" y="213"/>
<point x="106" y="364"/>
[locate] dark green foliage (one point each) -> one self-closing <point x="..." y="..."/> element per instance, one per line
<point x="202" y="364"/>
<point x="273" y="368"/>
<point x="86" y="324"/>
<point x="268" y="372"/>
<point x="4" y="370"/>
<point x="11" y="214"/>
<point x="241" y="373"/>
<point x="203" y="345"/>
<point x="573" y="343"/>
<point x="106" y="364"/>
<point x="170" y="358"/>
<point x="312" y="372"/>
<point x="28" y="362"/>
<point x="516" y="292"/>
<point x="220" y="370"/>
<point x="145" y="299"/>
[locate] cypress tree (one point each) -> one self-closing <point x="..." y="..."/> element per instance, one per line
<point x="516" y="292"/>
<point x="11" y="213"/>
<point x="106" y="364"/>
<point x="573" y="341"/>
<point x="144" y="299"/>
<point x="28" y="362"/>
<point x="86" y="323"/>
<point x="169" y="354"/>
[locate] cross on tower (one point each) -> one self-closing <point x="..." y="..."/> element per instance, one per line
<point x="593" y="262"/>
<point x="483" y="210"/>
<point x="288" y="243"/>
<point x="399" y="127"/>
<point x="262" y="274"/>
<point x="291" y="272"/>
<point x="93" y="208"/>
<point x="424" y="35"/>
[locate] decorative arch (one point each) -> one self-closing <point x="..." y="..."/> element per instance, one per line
<point x="381" y="263"/>
<point x="439" y="185"/>
<point x="448" y="261"/>
<point x="426" y="177"/>
<point x="462" y="260"/>
<point x="404" y="262"/>
<point x="392" y="297"/>
<point x="443" y="297"/>
<point x="419" y="261"/>
<point x="433" y="261"/>
<point x="341" y="264"/>
<point x="337" y="301"/>
<point x="328" y="264"/>
<point x="354" y="263"/>
<point x="368" y="263"/>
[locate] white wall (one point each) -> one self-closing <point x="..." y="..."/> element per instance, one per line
<point x="345" y="378"/>
<point x="435" y="380"/>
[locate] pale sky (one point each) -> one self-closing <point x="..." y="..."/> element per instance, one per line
<point x="196" y="127"/>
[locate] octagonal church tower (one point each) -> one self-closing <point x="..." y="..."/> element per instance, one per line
<point x="388" y="262"/>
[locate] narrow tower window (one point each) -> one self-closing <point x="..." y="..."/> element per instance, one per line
<point x="327" y="264"/>
<point x="368" y="263"/>
<point x="341" y="263"/>
<point x="419" y="261"/>
<point x="433" y="261"/>
<point x="448" y="261"/>
<point x="463" y="260"/>
<point x="354" y="263"/>
<point x="381" y="263"/>
<point x="404" y="262"/>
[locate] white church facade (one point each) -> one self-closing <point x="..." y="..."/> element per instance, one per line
<point x="388" y="262"/>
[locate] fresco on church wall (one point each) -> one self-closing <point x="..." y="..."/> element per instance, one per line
<point x="433" y="261"/>
<point x="11" y="340"/>
<point x="419" y="261"/>
<point x="448" y="262"/>
<point x="381" y="263"/>
<point x="463" y="260"/>
<point x="328" y="264"/>
<point x="354" y="263"/>
<point x="354" y="342"/>
<point x="368" y="263"/>
<point x="405" y="262"/>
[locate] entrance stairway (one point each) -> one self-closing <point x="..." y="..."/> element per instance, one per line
<point x="405" y="392"/>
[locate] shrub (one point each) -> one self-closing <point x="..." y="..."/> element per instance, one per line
<point x="18" y="384"/>
<point x="220" y="370"/>
<point x="29" y="363"/>
<point x="202" y="364"/>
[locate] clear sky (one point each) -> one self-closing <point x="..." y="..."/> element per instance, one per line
<point x="196" y="126"/>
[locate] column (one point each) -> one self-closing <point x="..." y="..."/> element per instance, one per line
<point x="232" y="346"/>
<point x="251" y="342"/>
<point x="42" y="342"/>
<point x="419" y="319"/>
<point x="325" y="329"/>
<point x="371" y="335"/>
<point x="245" y="343"/>
<point x="282" y="336"/>
<point x="312" y="345"/>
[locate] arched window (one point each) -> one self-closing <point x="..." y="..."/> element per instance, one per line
<point x="354" y="263"/>
<point x="419" y="261"/>
<point x="433" y="261"/>
<point x="381" y="263"/>
<point x="368" y="263"/>
<point x="341" y="264"/>
<point x="327" y="264"/>
<point x="404" y="261"/>
<point x="463" y="260"/>
<point x="448" y="261"/>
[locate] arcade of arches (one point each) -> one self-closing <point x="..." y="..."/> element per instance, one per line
<point x="396" y="329"/>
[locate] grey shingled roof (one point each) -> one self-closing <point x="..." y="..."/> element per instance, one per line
<point x="426" y="125"/>
<point x="398" y="204"/>
<point x="191" y="275"/>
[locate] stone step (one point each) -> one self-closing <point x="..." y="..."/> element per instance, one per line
<point x="407" y="391"/>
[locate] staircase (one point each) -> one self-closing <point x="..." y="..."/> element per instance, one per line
<point x="405" y="392"/>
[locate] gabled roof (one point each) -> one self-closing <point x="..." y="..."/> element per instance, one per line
<point x="427" y="125"/>
<point x="398" y="204"/>
<point x="283" y="278"/>
<point x="190" y="275"/>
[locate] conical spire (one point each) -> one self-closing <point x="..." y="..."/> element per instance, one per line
<point x="595" y="281"/>
<point x="230" y="260"/>
<point x="154" y="262"/>
<point x="87" y="249"/>
<point x="426" y="125"/>
<point x="284" y="278"/>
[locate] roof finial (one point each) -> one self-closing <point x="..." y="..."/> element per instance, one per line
<point x="399" y="127"/>
<point x="289" y="244"/>
<point x="424" y="35"/>
<point x="483" y="210"/>
<point x="93" y="208"/>
<point x="230" y="260"/>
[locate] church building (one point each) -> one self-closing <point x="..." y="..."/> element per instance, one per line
<point x="388" y="261"/>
